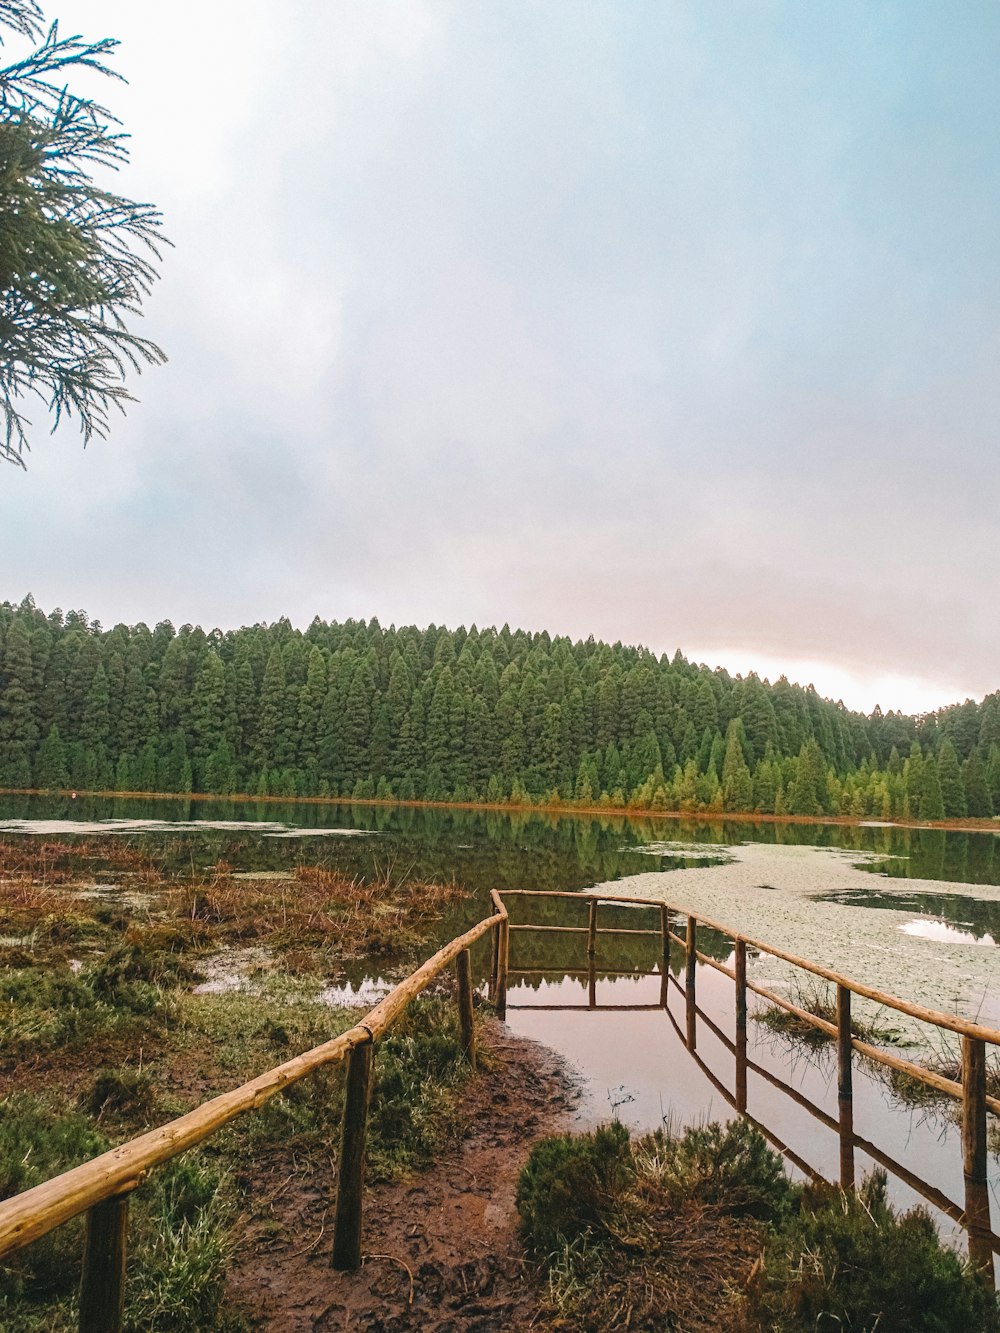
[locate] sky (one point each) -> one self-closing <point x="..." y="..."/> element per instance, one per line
<point x="674" y="322"/>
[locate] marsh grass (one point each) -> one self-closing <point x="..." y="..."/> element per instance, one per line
<point x="817" y="999"/>
<point x="107" y="981"/>
<point x="703" y="1230"/>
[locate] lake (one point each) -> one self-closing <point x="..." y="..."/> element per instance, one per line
<point x="913" y="911"/>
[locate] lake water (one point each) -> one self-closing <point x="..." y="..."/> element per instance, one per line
<point x="915" y="912"/>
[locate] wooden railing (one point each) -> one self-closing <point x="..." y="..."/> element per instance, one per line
<point x="975" y="1037"/>
<point x="101" y="1187"/>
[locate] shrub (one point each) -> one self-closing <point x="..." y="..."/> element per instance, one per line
<point x="730" y="1165"/>
<point x="850" y="1263"/>
<point x="569" y="1186"/>
<point x="418" y="1066"/>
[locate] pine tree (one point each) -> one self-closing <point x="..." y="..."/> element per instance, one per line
<point x="931" y="803"/>
<point x="52" y="773"/>
<point x="206" y="717"/>
<point x="737" y="784"/>
<point x="18" y="729"/>
<point x="993" y="776"/>
<point x="950" y="778"/>
<point x="977" y="793"/>
<point x="913" y="779"/>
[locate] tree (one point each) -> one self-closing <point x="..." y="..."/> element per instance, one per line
<point x="950" y="778"/>
<point x="737" y="784"/>
<point x="75" y="259"/>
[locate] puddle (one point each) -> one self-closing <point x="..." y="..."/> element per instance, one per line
<point x="363" y="996"/>
<point x="245" y="971"/>
<point x="229" y="972"/>
<point x="260" y="874"/>
<point x="942" y="933"/>
<point x="113" y="893"/>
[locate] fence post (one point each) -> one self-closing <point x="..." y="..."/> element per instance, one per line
<point x="977" y="1198"/>
<point x="845" y="1088"/>
<point x="741" y="1024"/>
<point x="463" y="971"/>
<point x="494" y="962"/>
<point x="664" y="955"/>
<point x="350" y="1179"/>
<point x="102" y="1288"/>
<point x="690" y="998"/>
<point x="591" y="952"/>
<point x="502" y="962"/>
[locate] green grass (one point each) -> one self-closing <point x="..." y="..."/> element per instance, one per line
<point x="52" y="1009"/>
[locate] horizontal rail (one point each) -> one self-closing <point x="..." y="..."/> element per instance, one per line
<point x="590" y="1008"/>
<point x="927" y="1191"/>
<point x="962" y="1026"/>
<point x="28" y="1216"/>
<point x="584" y="930"/>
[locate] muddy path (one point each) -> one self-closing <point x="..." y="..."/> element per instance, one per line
<point x="440" y="1249"/>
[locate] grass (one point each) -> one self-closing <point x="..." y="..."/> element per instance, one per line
<point x="817" y="999"/>
<point x="703" y="1230"/>
<point x="102" y="1037"/>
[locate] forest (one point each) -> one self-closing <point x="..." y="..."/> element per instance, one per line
<point x="480" y="715"/>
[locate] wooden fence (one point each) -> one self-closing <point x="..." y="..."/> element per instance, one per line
<point x="971" y="1091"/>
<point x="101" y="1187"/>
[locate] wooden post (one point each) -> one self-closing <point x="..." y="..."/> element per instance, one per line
<point x="664" y="955"/>
<point x="463" y="971"/>
<point x="102" y="1289"/>
<point x="741" y="1025"/>
<point x="591" y="952"/>
<point x="690" y="998"/>
<point x="977" y="1198"/>
<point x="494" y="962"/>
<point x="845" y="1088"/>
<point x="350" y="1179"/>
<point x="502" y="962"/>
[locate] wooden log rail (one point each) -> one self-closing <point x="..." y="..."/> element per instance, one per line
<point x="970" y="1091"/>
<point x="101" y="1187"/>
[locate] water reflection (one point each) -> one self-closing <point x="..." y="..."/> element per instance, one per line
<point x="653" y="1054"/>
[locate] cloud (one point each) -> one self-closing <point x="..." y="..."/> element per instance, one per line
<point x="675" y="324"/>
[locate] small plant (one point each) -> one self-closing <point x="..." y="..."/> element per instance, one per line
<point x="569" y="1186"/>
<point x="816" y="999"/>
<point x="127" y="1093"/>
<point x="730" y="1166"/>
<point x="418" y="1069"/>
<point x="182" y="1249"/>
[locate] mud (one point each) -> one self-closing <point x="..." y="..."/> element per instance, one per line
<point x="441" y="1251"/>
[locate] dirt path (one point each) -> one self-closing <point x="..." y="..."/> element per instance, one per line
<point x="441" y="1250"/>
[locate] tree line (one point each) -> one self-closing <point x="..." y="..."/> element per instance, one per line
<point x="354" y="710"/>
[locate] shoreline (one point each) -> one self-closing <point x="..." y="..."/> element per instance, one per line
<point x="561" y="809"/>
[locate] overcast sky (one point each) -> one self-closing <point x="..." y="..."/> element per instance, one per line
<point x="673" y="322"/>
